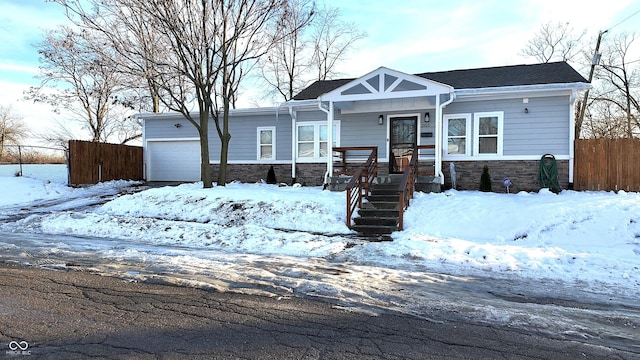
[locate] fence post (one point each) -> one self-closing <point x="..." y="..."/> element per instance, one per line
<point x="20" y="158"/>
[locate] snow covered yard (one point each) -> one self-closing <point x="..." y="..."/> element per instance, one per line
<point x="574" y="237"/>
<point x="567" y="265"/>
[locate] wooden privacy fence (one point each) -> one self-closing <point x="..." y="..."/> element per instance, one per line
<point x="607" y="164"/>
<point x="91" y="163"/>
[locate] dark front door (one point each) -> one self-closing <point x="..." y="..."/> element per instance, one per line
<point x="402" y="141"/>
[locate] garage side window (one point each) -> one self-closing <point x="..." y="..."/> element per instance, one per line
<point x="266" y="143"/>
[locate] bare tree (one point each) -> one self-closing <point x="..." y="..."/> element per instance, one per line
<point x="555" y="42"/>
<point x="285" y="68"/>
<point x="619" y="78"/>
<point x="332" y="39"/>
<point x="603" y="120"/>
<point x="84" y="83"/>
<point x="318" y="40"/>
<point x="12" y="128"/>
<point x="207" y="47"/>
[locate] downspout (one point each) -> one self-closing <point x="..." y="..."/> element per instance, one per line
<point x="329" y="113"/>
<point x="294" y="140"/>
<point x="572" y="133"/>
<point x="439" y="134"/>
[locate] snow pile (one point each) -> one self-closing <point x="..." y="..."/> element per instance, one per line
<point x="258" y="218"/>
<point x="580" y="235"/>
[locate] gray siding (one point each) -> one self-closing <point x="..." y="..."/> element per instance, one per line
<point x="243" y="129"/>
<point x="363" y="130"/>
<point x="544" y="129"/>
<point x="166" y="128"/>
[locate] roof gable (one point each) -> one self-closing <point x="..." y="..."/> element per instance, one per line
<point x="385" y="83"/>
<point x="503" y="76"/>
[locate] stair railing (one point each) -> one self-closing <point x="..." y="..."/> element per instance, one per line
<point x="407" y="185"/>
<point x="360" y="183"/>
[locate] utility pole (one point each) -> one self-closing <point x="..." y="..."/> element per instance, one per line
<point x="583" y="106"/>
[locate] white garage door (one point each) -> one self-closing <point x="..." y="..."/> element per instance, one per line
<point x="173" y="161"/>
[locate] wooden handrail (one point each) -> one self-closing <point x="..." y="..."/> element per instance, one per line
<point x="342" y="163"/>
<point x="360" y="182"/>
<point x="406" y="187"/>
<point x="354" y="195"/>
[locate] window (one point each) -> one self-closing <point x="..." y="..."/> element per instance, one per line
<point x="313" y="139"/>
<point x="458" y="134"/>
<point x="266" y="143"/>
<point x="488" y="133"/>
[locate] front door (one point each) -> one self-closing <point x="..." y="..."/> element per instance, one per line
<point x="402" y="140"/>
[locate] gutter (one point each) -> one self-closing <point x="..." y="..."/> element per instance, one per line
<point x="523" y="88"/>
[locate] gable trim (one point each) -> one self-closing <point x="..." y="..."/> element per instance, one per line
<point x="384" y="83"/>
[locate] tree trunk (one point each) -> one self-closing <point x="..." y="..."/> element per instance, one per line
<point x="224" y="142"/>
<point x="205" y="168"/>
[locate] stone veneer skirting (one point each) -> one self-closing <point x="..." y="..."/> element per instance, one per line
<point x="522" y="173"/>
<point x="311" y="174"/>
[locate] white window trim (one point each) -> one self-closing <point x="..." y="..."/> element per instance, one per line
<point x="259" y="143"/>
<point x="316" y="140"/>
<point x="445" y="143"/>
<point x="476" y="132"/>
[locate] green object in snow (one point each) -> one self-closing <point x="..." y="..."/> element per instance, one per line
<point x="548" y="174"/>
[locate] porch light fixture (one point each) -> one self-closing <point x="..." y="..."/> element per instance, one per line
<point x="426" y="117"/>
<point x="177" y="125"/>
<point x="380" y="120"/>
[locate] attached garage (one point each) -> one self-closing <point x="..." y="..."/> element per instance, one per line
<point x="173" y="160"/>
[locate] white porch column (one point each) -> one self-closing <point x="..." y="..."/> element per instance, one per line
<point x="438" y="135"/>
<point x="572" y="133"/>
<point x="294" y="140"/>
<point x="329" y="142"/>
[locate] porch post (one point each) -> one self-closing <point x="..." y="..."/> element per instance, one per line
<point x="329" y="142"/>
<point x="438" y="130"/>
<point x="294" y="140"/>
<point x="572" y="133"/>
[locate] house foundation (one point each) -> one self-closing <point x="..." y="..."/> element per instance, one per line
<point x="523" y="174"/>
<point x="311" y="174"/>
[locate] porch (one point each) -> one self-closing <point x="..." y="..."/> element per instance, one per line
<point x="348" y="159"/>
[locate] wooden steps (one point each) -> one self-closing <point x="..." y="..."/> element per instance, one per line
<point x="379" y="214"/>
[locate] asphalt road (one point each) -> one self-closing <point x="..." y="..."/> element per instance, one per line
<point x="78" y="315"/>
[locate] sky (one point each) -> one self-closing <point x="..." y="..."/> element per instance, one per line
<point x="411" y="36"/>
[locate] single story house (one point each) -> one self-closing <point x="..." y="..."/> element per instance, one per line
<point x="504" y="117"/>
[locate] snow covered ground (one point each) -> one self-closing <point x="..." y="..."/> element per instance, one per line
<point x="573" y="236"/>
<point x="295" y="238"/>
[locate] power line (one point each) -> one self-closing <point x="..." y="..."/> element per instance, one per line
<point x="625" y="19"/>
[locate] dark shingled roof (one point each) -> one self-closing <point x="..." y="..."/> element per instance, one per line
<point x="515" y="75"/>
